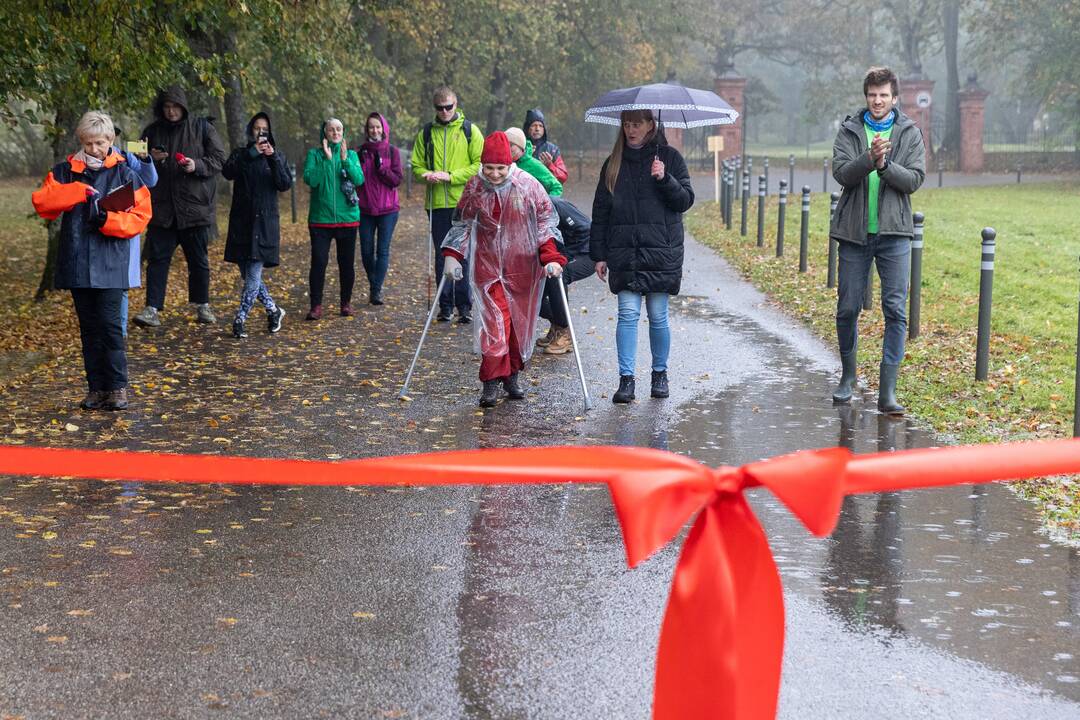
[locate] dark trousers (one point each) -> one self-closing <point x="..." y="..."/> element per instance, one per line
<point x="375" y="252"/>
<point x="892" y="256"/>
<point x="321" y="237"/>
<point x="454" y="294"/>
<point x="103" y="344"/>
<point x="160" y="246"/>
<point x="551" y="304"/>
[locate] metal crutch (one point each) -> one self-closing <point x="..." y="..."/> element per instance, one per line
<point x="423" y="336"/>
<point x="573" y="341"/>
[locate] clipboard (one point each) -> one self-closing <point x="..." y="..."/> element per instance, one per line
<point x="119" y="199"/>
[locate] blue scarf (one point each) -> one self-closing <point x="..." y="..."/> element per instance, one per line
<point x="879" y="125"/>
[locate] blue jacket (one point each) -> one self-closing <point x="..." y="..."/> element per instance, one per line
<point x="148" y="174"/>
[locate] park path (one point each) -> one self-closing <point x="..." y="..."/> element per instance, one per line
<point x="497" y="602"/>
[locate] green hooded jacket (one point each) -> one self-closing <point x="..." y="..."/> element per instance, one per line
<point x="452" y="154"/>
<point x="323" y="176"/>
<point x="539" y="171"/>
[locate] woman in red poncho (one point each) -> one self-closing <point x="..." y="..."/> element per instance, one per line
<point x="506" y="227"/>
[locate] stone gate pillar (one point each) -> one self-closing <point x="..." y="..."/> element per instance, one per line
<point x="972" y="117"/>
<point x="732" y="87"/>
<point x="916" y="97"/>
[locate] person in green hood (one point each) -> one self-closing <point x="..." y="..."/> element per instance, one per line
<point x="333" y="173"/>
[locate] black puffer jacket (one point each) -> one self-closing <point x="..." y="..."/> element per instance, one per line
<point x="638" y="229"/>
<point x="254" y="227"/>
<point x="181" y="198"/>
<point x="574" y="227"/>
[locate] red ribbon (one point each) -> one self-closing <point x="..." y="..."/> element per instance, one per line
<point x="722" y="639"/>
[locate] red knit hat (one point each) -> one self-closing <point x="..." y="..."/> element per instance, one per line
<point x="496" y="149"/>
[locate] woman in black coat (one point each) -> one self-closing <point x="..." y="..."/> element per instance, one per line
<point x="259" y="173"/>
<point x="637" y="240"/>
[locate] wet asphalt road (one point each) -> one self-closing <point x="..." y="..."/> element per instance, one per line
<point x="191" y="602"/>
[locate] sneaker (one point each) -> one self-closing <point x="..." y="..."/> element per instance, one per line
<point x="561" y="344"/>
<point x="205" y="315"/>
<point x="625" y="393"/>
<point x="315" y="313"/>
<point x="148" y="317"/>
<point x="546" y="340"/>
<point x="273" y="320"/>
<point x="238" y="329"/>
<point x="346" y="310"/>
<point x="659" y="384"/>
<point x="444" y="315"/>
<point x="93" y="400"/>
<point x="464" y="317"/>
<point x="116" y="399"/>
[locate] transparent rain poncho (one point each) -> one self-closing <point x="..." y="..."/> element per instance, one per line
<point x="504" y="255"/>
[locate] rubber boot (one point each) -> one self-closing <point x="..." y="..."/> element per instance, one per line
<point x="513" y="388"/>
<point x="843" y="391"/>
<point x="490" y="394"/>
<point x="625" y="393"/>
<point x="886" y="401"/>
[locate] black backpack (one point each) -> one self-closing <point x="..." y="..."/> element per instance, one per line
<point x="429" y="145"/>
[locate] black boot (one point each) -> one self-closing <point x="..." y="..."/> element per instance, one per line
<point x="659" y="384"/>
<point x="625" y="393"/>
<point x="375" y="296"/>
<point x="513" y="389"/>
<point x="842" y="393"/>
<point x="886" y="401"/>
<point x="490" y="394"/>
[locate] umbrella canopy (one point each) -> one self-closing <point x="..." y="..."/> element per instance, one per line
<point x="675" y="105"/>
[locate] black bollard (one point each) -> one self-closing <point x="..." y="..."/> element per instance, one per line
<point x="745" y="200"/>
<point x="408" y="174"/>
<point x="986" y="292"/>
<point x="940" y="173"/>
<point x="825" y="175"/>
<point x="781" y="209"/>
<point x="804" y="230"/>
<point x="1076" y="384"/>
<point x="292" y="191"/>
<point x="766" y="177"/>
<point x="724" y="169"/>
<point x="830" y="280"/>
<point x="1018" y="171"/>
<point x="580" y="163"/>
<point x="791" y="172"/>
<point x="730" y="194"/>
<point x="761" y="211"/>
<point x="915" y="297"/>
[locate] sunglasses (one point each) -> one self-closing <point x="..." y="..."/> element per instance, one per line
<point x="445" y="108"/>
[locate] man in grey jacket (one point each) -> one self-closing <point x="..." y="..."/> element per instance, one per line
<point x="879" y="159"/>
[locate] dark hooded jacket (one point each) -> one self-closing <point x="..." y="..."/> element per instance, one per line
<point x="381" y="163"/>
<point x="181" y="199"/>
<point x="574" y="227"/>
<point x="254" y="228"/>
<point x="638" y="229"/>
<point x="557" y="167"/>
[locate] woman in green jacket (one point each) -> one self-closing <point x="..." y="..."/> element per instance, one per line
<point x="333" y="173"/>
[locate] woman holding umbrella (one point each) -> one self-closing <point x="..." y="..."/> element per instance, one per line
<point x="637" y="240"/>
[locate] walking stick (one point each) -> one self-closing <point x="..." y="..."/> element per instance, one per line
<point x="423" y="336"/>
<point x="573" y="341"/>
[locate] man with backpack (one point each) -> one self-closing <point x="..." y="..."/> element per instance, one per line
<point x="445" y="156"/>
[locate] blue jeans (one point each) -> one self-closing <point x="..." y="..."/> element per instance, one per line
<point x="376" y="259"/>
<point x="124" y="313"/>
<point x="251" y="274"/>
<point x="892" y="255"/>
<point x="454" y="294"/>
<point x="656" y="305"/>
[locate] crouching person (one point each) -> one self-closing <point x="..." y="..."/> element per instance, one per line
<point x="93" y="257"/>
<point x="506" y="227"/>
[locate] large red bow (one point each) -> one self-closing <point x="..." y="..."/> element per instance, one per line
<point x="722" y="640"/>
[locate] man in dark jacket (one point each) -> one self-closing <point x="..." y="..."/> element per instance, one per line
<point x="188" y="153"/>
<point x="879" y="159"/>
<point x="544" y="150"/>
<point x="574" y="227"/>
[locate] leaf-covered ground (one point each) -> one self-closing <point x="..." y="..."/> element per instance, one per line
<point x="1029" y="393"/>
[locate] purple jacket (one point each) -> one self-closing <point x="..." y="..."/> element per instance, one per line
<point x="378" y="195"/>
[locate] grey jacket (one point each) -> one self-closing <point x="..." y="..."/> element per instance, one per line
<point x="903" y="176"/>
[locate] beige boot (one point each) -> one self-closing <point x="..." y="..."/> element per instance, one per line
<point x="562" y="343"/>
<point x="546" y="340"/>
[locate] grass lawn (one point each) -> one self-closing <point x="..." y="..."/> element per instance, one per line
<point x="1029" y="393"/>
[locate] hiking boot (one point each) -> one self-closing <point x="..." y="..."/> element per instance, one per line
<point x="315" y="313"/>
<point x="464" y="317"/>
<point x="148" y="317"/>
<point x="346" y="310"/>
<point x="546" y="340"/>
<point x="116" y="399"/>
<point x="848" y="378"/>
<point x="561" y="343"/>
<point x="659" y="384"/>
<point x="445" y="315"/>
<point x="273" y="320"/>
<point x="625" y="393"/>
<point x="238" y="329"/>
<point x="886" y="402"/>
<point x="204" y="314"/>
<point x="512" y="388"/>
<point x="490" y="394"/>
<point x="94" y="400"/>
<point x="375" y="298"/>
